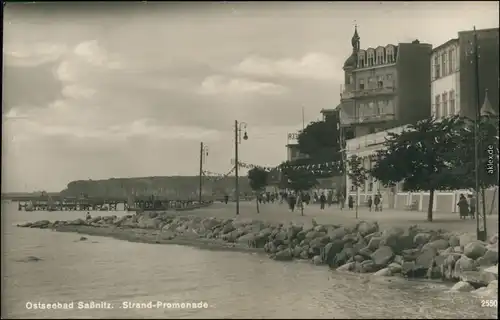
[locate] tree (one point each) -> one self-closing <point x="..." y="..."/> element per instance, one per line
<point x="357" y="173"/>
<point x="320" y="140"/>
<point x="299" y="178"/>
<point x="464" y="155"/>
<point x="258" y="181"/>
<point x="421" y="157"/>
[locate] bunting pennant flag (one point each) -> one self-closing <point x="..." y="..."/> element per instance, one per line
<point x="326" y="168"/>
<point x="214" y="176"/>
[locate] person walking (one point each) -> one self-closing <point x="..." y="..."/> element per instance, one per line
<point x="376" y="202"/>
<point x="330" y="198"/>
<point x="370" y="203"/>
<point x="291" y="201"/>
<point x="472" y="206"/>
<point x="463" y="206"/>
<point x="341" y="201"/>
<point x="350" y="202"/>
<point x="322" y="201"/>
<point x="381" y="202"/>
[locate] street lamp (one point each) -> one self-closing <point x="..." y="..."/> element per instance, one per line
<point x="480" y="227"/>
<point x="238" y="128"/>
<point x="203" y="155"/>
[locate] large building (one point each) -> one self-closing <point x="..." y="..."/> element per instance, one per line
<point x="453" y="91"/>
<point x="453" y="87"/>
<point x="385" y="87"/>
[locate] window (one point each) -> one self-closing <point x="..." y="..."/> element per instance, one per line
<point x="380" y="81"/>
<point x="444" y="58"/>
<point x="361" y="60"/>
<point x="390" y="54"/>
<point x="437" y="106"/>
<point x="371" y="58"/>
<point x="445" y="104"/>
<point x="382" y="107"/>
<point x="371" y="82"/>
<point x="452" y="102"/>
<point x="451" y="61"/>
<point x="436" y="67"/>
<point x="361" y="84"/>
<point x="380" y="56"/>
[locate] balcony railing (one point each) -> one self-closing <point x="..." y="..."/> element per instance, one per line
<point x="368" y="119"/>
<point x="347" y="92"/>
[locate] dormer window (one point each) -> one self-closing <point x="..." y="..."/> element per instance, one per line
<point x="390" y="54"/>
<point x="371" y="58"/>
<point x="380" y="56"/>
<point x="361" y="59"/>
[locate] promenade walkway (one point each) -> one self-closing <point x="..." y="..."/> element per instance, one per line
<point x="333" y="215"/>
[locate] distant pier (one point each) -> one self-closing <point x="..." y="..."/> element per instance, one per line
<point x="147" y="203"/>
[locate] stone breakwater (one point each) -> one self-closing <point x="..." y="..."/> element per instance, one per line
<point x="410" y="252"/>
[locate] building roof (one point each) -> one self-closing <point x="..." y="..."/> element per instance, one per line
<point x="447" y="43"/>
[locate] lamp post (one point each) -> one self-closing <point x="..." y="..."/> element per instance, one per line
<point x="480" y="217"/>
<point x="203" y="155"/>
<point x="238" y="128"/>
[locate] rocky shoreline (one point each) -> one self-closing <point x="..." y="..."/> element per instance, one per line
<point x="411" y="252"/>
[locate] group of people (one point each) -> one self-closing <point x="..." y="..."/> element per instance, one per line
<point x="466" y="208"/>
<point x="376" y="201"/>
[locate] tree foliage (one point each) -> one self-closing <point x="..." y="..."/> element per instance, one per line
<point x="464" y="153"/>
<point x="422" y="157"/>
<point x="320" y="140"/>
<point x="257" y="177"/>
<point x="297" y="178"/>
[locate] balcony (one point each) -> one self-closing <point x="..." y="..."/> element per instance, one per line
<point x="368" y="119"/>
<point x="385" y="89"/>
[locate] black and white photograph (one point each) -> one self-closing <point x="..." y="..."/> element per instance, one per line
<point x="250" y="160"/>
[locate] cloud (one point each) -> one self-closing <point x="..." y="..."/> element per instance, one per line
<point x="94" y="54"/>
<point x="77" y="92"/>
<point x="317" y="66"/>
<point x="214" y="85"/>
<point x="31" y="55"/>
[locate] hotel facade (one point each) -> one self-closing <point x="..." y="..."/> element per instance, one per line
<point x="452" y="91"/>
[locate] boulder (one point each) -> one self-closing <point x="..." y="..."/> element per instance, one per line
<point x="425" y="258"/>
<point x="95" y="219"/>
<point x="492" y="269"/>
<point x="270" y="247"/>
<point x="228" y="227"/>
<point x="478" y="278"/>
<point x="149" y="223"/>
<point x="454" y="241"/>
<point x="248" y="239"/>
<point x="297" y="251"/>
<point x="317" y="260"/>
<point x="366" y="228"/>
<point x="374" y="243"/>
<point x="394" y="267"/>
<point x="343" y="257"/>
<point x="382" y="256"/>
<point x="440" y="244"/>
<point x="210" y="223"/>
<point x="489" y="296"/>
<point x="25" y="225"/>
<point x="281" y="235"/>
<point x="385" y="272"/>
<point x="358" y="258"/>
<point x="462" y="287"/>
<point x="319" y="228"/>
<point x="165" y="235"/>
<point x="421" y="238"/>
<point x="467" y="238"/>
<point x="474" y="250"/>
<point x="371" y="235"/>
<point x="304" y="254"/>
<point x="77" y="222"/>
<point x="346" y="267"/>
<point x="337" y="234"/>
<point x="398" y="239"/>
<point x="329" y="252"/>
<point x="284" y="255"/>
<point x="365" y="252"/>
<point x="398" y="259"/>
<point x="489" y="258"/>
<point x="493" y="239"/>
<point x="367" y="266"/>
<point x="463" y="264"/>
<point x="293" y="230"/>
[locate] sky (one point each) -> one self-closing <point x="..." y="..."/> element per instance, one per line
<point x="101" y="90"/>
